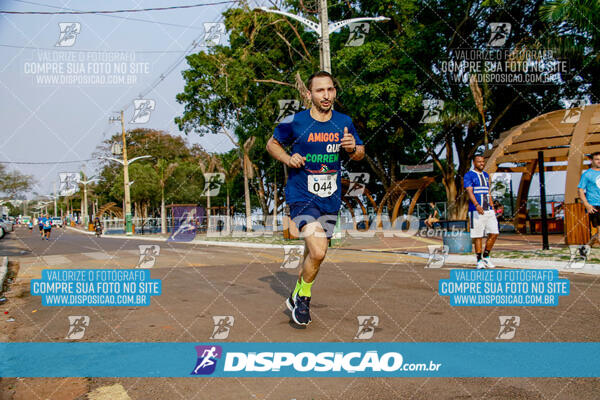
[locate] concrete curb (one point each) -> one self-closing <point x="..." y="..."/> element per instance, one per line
<point x="592" y="269"/>
<point x="195" y="241"/>
<point x="3" y="271"/>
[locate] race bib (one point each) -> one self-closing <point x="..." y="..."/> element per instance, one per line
<point x="323" y="185"/>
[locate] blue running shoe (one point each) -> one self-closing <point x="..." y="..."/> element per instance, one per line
<point x="289" y="302"/>
<point x="301" y="313"/>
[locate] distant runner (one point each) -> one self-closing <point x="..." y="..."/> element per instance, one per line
<point x="47" y="227"/>
<point x="41" y="225"/>
<point x="481" y="211"/>
<point x="313" y="190"/>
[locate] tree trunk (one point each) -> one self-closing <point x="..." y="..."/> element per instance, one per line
<point x="207" y="212"/>
<point x="247" y="200"/>
<point x="228" y="211"/>
<point x="163" y="212"/>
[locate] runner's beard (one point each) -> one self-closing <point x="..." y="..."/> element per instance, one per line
<point x="322" y="109"/>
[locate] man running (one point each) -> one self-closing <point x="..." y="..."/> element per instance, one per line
<point x="47" y="227"/>
<point x="41" y="225"/>
<point x="313" y="190"/>
<point x="481" y="211"/>
<point x="589" y="193"/>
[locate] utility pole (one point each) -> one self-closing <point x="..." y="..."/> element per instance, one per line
<point x="325" y="56"/>
<point x="55" y="197"/>
<point x="128" y="221"/>
<point x="125" y="163"/>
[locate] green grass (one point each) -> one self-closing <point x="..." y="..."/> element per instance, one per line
<point x="555" y="253"/>
<point x="265" y="239"/>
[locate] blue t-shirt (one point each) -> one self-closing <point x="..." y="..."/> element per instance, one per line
<point x="319" y="142"/>
<point x="590" y="182"/>
<point x="41" y="221"/>
<point x="480" y="182"/>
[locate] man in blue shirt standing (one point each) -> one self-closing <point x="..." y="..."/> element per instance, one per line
<point x="481" y="211"/>
<point x="313" y="190"/>
<point x="589" y="192"/>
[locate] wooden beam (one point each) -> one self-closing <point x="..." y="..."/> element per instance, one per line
<point x="521" y="215"/>
<point x="575" y="160"/>
<point x="546" y="134"/>
<point x="532" y="155"/>
<point x="538" y="144"/>
<point x="524" y="169"/>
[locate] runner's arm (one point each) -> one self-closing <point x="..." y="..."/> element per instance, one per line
<point x="585" y="202"/>
<point x="277" y="151"/>
<point x="473" y="199"/>
<point x="359" y="154"/>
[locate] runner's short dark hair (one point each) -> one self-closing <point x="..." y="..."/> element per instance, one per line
<point x="319" y="75"/>
<point x="594" y="154"/>
<point x="477" y="155"/>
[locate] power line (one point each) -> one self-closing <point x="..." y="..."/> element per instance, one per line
<point x="91" y="51"/>
<point x="113" y="16"/>
<point x="47" y="162"/>
<point x="116" y="11"/>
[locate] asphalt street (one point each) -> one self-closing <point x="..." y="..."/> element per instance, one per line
<point x="250" y="285"/>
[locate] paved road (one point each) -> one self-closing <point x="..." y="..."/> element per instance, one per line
<point x="200" y="282"/>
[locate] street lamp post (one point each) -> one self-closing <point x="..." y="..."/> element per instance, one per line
<point x="125" y="163"/>
<point x="84" y="207"/>
<point x="324" y="28"/>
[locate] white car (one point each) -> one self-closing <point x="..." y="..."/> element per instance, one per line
<point x="57" y="221"/>
<point x="6" y="225"/>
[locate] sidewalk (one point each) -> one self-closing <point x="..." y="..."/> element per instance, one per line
<point x="510" y="251"/>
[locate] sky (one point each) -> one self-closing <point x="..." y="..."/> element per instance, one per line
<point x="48" y="122"/>
<point x="57" y="100"/>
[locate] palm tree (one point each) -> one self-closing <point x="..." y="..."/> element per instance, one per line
<point x="164" y="171"/>
<point x="209" y="163"/>
<point x="231" y="168"/>
<point x="248" y="169"/>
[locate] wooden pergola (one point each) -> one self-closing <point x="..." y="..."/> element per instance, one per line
<point x="563" y="135"/>
<point x="398" y="191"/>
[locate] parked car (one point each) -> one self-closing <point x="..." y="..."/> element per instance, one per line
<point x="57" y="221"/>
<point x="6" y="224"/>
<point x="1" y="232"/>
